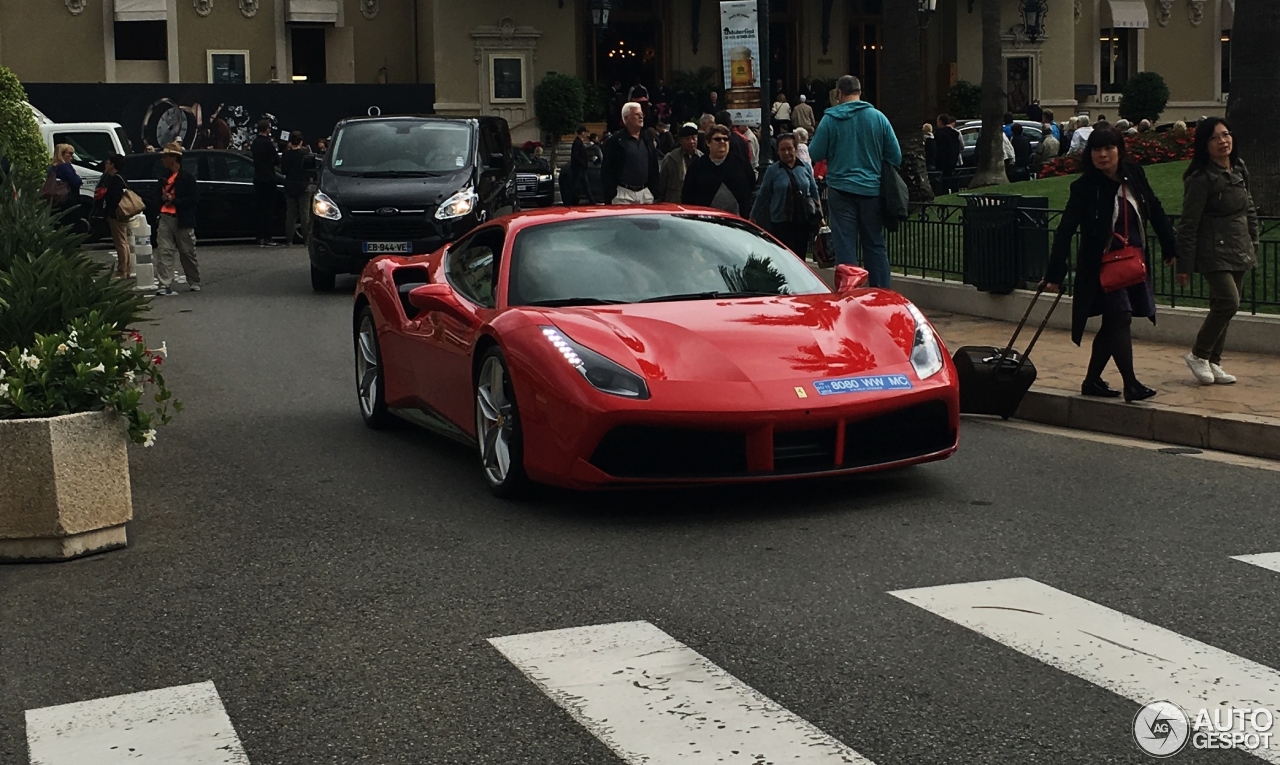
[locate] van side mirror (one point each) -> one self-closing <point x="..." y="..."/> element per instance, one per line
<point x="850" y="278"/>
<point x="434" y="297"/>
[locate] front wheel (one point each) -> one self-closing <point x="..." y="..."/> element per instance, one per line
<point x="369" y="390"/>
<point x="498" y="431"/>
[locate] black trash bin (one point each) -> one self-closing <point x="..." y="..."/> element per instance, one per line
<point x="1034" y="238"/>
<point x="991" y="245"/>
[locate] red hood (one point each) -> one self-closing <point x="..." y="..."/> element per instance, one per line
<point x="749" y="340"/>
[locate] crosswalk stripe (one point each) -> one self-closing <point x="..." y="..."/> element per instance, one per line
<point x="1265" y="560"/>
<point x="1125" y="655"/>
<point x="652" y="699"/>
<point x="182" y="725"/>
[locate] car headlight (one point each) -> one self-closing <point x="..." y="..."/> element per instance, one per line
<point x="543" y="178"/>
<point x="324" y="207"/>
<point x="457" y="205"/>
<point x="605" y="375"/>
<point x="926" y="352"/>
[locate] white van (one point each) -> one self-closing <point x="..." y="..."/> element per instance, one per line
<point x="93" y="142"/>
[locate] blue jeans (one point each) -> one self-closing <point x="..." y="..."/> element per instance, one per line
<point x="857" y="228"/>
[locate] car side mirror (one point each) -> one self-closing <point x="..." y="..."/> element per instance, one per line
<point x="850" y="278"/>
<point x="434" y="297"/>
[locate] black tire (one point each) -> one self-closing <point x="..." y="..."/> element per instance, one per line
<point x="322" y="281"/>
<point x="515" y="483"/>
<point x="368" y="365"/>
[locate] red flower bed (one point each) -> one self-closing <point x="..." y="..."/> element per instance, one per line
<point x="1149" y="148"/>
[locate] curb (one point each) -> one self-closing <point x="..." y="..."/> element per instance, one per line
<point x="1249" y="435"/>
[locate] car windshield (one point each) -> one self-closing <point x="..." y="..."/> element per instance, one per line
<point x="401" y="147"/>
<point x="634" y="258"/>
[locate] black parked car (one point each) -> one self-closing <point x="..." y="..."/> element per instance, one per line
<point x="406" y="185"/>
<point x="535" y="183"/>
<point x="225" y="181"/>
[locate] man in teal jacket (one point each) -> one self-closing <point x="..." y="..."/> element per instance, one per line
<point x="856" y="140"/>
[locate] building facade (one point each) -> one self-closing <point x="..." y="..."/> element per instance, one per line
<point x="486" y="57"/>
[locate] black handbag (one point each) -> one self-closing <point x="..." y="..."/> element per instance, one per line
<point x="809" y="210"/>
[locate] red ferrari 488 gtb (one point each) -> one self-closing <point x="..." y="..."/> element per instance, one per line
<point x="628" y="346"/>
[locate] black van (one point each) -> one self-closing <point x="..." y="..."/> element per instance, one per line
<point x="406" y="185"/>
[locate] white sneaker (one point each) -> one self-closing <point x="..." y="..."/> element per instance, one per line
<point x="1220" y="377"/>
<point x="1199" y="368"/>
<point x="195" y="287"/>
<point x="182" y="278"/>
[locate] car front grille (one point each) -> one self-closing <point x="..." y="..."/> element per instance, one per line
<point x="373" y="227"/>
<point x="636" y="451"/>
<point x="526" y="183"/>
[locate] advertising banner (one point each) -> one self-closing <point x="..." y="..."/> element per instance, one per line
<point x="740" y="48"/>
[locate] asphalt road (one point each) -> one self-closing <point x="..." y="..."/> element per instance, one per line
<point x="339" y="585"/>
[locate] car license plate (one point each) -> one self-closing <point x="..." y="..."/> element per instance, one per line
<point x="385" y="248"/>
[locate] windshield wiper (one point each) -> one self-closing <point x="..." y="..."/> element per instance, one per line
<point x="562" y="302"/>
<point x="400" y="174"/>
<point x="706" y="296"/>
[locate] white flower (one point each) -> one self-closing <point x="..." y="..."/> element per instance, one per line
<point x="30" y="361"/>
<point x="72" y="338"/>
<point x="130" y="376"/>
<point x="62" y="349"/>
<point x="149" y="438"/>
<point x="163" y="350"/>
<point x="99" y="368"/>
<point x="4" y="390"/>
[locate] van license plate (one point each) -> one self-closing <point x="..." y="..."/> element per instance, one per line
<point x="384" y="248"/>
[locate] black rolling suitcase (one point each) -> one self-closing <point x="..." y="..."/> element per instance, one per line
<point x="994" y="380"/>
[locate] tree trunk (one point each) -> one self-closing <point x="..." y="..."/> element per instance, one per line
<point x="990" y="157"/>
<point x="1253" y="109"/>
<point x="901" y="98"/>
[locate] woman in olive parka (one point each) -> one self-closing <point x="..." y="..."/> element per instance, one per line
<point x="1217" y="238"/>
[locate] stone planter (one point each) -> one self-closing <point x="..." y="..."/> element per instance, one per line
<point x="64" y="486"/>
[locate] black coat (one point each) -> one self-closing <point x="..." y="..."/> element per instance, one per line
<point x="704" y="177"/>
<point x="1090" y="209"/>
<point x="614" y="155"/>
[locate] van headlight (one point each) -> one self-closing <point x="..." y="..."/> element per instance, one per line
<point x="926" y="352"/>
<point x="324" y="207"/>
<point x="604" y="374"/>
<point x="458" y="205"/>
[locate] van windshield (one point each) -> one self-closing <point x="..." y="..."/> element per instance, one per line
<point x="401" y="147"/>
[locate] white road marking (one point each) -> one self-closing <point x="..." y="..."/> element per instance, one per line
<point x="653" y="700"/>
<point x="1125" y="655"/>
<point x="1265" y="560"/>
<point x="1227" y="458"/>
<point x="183" y="725"/>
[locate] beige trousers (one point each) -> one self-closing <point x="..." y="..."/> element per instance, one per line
<point x="172" y="244"/>
<point x="120" y="238"/>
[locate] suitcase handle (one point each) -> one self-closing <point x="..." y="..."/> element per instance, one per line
<point x="1040" y="329"/>
<point x="1009" y="348"/>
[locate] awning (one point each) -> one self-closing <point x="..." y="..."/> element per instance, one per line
<point x="1129" y="14"/>
<point x="312" y="11"/>
<point x="141" y="10"/>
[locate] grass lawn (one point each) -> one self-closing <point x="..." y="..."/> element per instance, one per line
<point x="1165" y="179"/>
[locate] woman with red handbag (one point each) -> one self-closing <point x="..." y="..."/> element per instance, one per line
<point x="1110" y="204"/>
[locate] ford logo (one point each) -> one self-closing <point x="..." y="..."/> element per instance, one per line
<point x="388" y="211"/>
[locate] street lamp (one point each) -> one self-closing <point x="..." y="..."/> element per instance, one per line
<point x="1033" y="13"/>
<point x="600" y="13"/>
<point x="927" y="7"/>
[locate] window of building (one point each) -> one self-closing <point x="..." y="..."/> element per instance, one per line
<point x="142" y="41"/>
<point x="228" y="67"/>
<point x="1226" y="61"/>
<point x="308" y="54"/>
<point x="1119" y="58"/>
